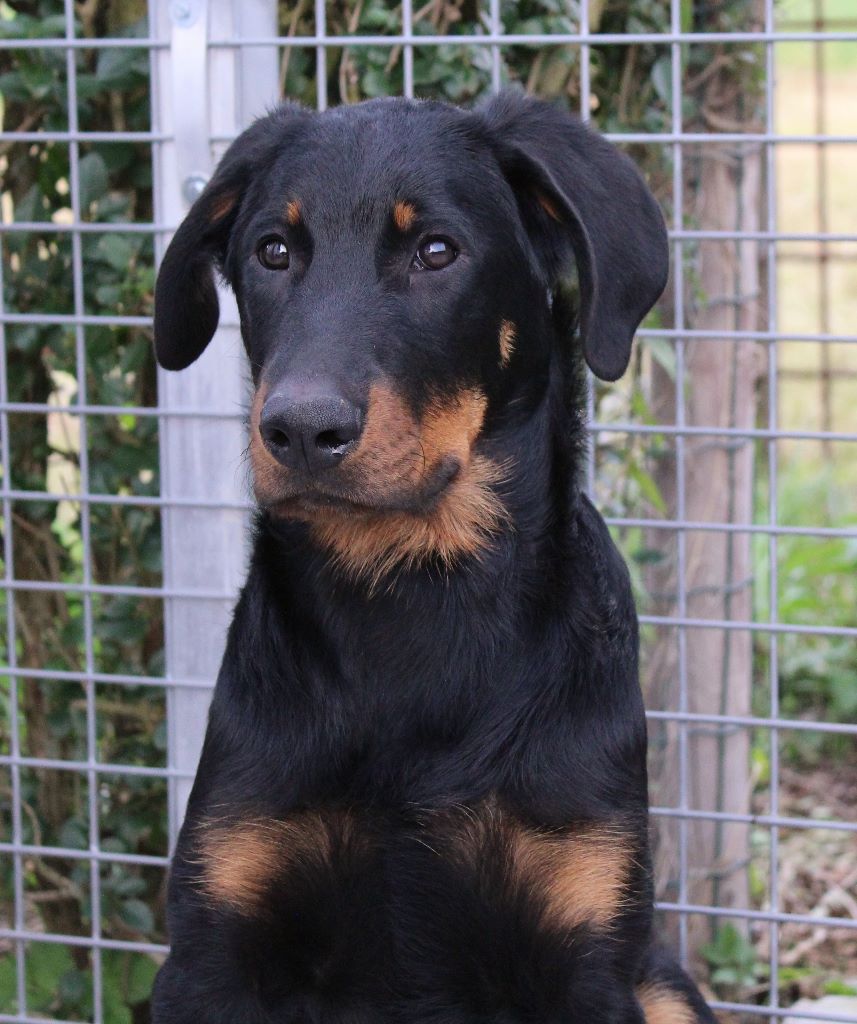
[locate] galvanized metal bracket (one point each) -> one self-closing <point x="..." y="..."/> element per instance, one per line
<point x="189" y="66"/>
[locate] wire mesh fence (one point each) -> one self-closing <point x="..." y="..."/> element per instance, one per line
<point x="724" y="461"/>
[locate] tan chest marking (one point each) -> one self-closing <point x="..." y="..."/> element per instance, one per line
<point x="663" y="1006"/>
<point x="240" y="861"/>
<point x="581" y="875"/>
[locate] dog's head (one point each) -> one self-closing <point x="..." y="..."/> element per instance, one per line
<point x="396" y="265"/>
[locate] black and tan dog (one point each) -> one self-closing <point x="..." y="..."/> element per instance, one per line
<point x="422" y="796"/>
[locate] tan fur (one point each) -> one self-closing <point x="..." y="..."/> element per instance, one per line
<point x="400" y="455"/>
<point x="222" y="206"/>
<point x="404" y="215"/>
<point x="293" y="212"/>
<point x="450" y="428"/>
<point x="241" y="860"/>
<point x="508" y="334"/>
<point x="579" y="874"/>
<point x="549" y="207"/>
<point x="663" y="1006"/>
<point x="461" y="523"/>
<point x="396" y="458"/>
<point x="582" y="875"/>
<point x="267" y="472"/>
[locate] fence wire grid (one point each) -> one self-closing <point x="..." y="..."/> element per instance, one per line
<point x="723" y="462"/>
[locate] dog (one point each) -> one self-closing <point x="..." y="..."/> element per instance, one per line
<point x="422" y="793"/>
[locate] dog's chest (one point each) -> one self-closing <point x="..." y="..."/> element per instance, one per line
<point x="399" y="868"/>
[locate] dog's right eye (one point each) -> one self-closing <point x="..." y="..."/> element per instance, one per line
<point x="434" y="254"/>
<point x="273" y="254"/>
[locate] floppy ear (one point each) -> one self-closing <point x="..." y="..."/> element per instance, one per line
<point x="186" y="306"/>
<point x="584" y="198"/>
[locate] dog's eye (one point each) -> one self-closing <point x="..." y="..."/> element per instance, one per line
<point x="273" y="254"/>
<point x="435" y="254"/>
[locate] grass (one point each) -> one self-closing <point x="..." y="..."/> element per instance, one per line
<point x="797" y="15"/>
<point x="801" y="208"/>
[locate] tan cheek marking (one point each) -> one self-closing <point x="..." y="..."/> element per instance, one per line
<point x="662" y="1006"/>
<point x="508" y="334"/>
<point x="451" y="427"/>
<point x="404" y="215"/>
<point x="389" y="448"/>
<point x="240" y="861"/>
<point x="549" y="207"/>
<point x="398" y="451"/>
<point x="267" y="472"/>
<point x="221" y="206"/>
<point x="293" y="212"/>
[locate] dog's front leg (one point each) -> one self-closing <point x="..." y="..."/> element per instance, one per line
<point x="204" y="986"/>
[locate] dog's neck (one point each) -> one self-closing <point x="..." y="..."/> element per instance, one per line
<point x="537" y="493"/>
<point x="431" y="652"/>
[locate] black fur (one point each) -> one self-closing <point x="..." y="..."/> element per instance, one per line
<point x="500" y="686"/>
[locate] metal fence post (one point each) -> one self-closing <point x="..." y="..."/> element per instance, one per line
<point x="199" y="93"/>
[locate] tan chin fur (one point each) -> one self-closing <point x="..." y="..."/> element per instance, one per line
<point x="396" y="459"/>
<point x="663" y="1006"/>
<point x="465" y="517"/>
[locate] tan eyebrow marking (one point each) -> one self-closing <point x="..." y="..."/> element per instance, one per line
<point x="404" y="214"/>
<point x="293" y="211"/>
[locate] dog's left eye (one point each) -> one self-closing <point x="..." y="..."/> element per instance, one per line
<point x="435" y="254"/>
<point x="273" y="254"/>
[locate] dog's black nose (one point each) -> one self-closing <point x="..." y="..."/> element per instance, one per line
<point x="317" y="432"/>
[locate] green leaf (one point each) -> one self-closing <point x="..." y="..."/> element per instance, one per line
<point x="119" y="66"/>
<point x="118" y="251"/>
<point x="646" y="482"/>
<point x="73" y="988"/>
<point x="47" y="963"/>
<point x="662" y="79"/>
<point x="839" y="988"/>
<point x="73" y="835"/>
<point x="160" y="736"/>
<point x="137" y="915"/>
<point x="126" y="885"/>
<point x="94" y="180"/>
<point x="663" y="354"/>
<point x="29" y="208"/>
